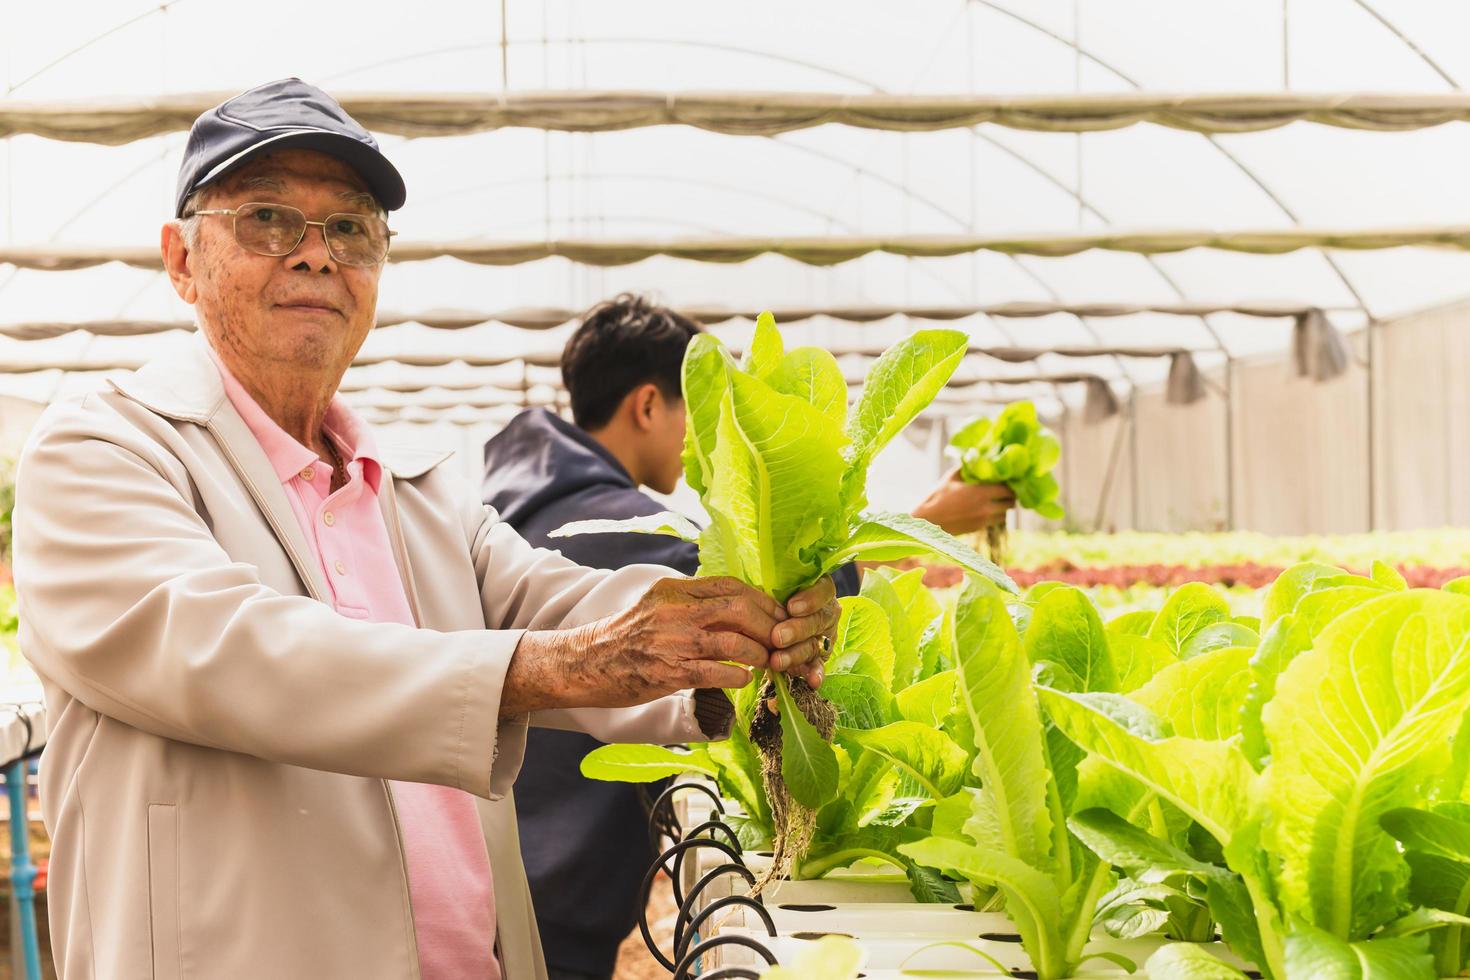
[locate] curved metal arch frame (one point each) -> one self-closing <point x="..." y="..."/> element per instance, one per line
<point x="969" y="223"/>
<point x="1241" y="165"/>
<point x="569" y="41"/>
<point x="1371" y="395"/>
<point x="1419" y="52"/>
<point x="162" y="8"/>
<point x="106" y="192"/>
<point x="697" y="182"/>
<point x="1276" y="199"/>
<point x="1081" y="51"/>
<point x="773" y="199"/>
<point x="857" y="169"/>
<point x="738" y="49"/>
<point x="902" y="187"/>
<point x="753" y="52"/>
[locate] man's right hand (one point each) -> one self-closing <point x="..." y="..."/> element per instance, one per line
<point x="682" y="634"/>
<point x="961" y="508"/>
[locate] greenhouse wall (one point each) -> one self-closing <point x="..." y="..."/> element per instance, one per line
<point x="1300" y="447"/>
<point x="1422" y="412"/>
<point x="1181" y="439"/>
<point x="1087" y="493"/>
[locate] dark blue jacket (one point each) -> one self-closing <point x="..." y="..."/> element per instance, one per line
<point x="585" y="843"/>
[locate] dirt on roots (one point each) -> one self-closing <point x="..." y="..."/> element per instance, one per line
<point x="791" y="823"/>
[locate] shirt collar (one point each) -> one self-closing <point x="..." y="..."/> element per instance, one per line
<point x="287" y="456"/>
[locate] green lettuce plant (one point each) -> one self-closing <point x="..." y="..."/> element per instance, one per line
<point x="1346" y="714"/>
<point x="1013" y="448"/>
<point x="1436" y="843"/>
<point x="892" y="684"/>
<point x="1162" y="660"/>
<point x="1007" y="827"/>
<point x="781" y="467"/>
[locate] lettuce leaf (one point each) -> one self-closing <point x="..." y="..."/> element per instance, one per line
<point x="1367" y="714"/>
<point x="900" y="384"/>
<point x="666" y="522"/>
<point x="644" y="763"/>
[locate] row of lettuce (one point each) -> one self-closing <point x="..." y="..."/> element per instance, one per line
<point x="1437" y="547"/>
<point x="1294" y="782"/>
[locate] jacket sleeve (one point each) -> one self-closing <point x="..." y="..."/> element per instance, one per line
<point x="688" y="716"/>
<point x="130" y="605"/>
<point x="848" y="580"/>
<point x="523" y="587"/>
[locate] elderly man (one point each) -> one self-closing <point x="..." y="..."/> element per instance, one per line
<point x="289" y="672"/>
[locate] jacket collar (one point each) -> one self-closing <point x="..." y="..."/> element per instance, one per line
<point x="186" y="386"/>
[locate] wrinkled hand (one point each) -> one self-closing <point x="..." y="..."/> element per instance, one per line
<point x="803" y="641"/>
<point x="683" y="633"/>
<point x="960" y="508"/>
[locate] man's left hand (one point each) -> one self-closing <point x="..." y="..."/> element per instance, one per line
<point x="801" y="644"/>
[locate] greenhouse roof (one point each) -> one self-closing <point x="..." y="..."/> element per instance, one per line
<point x="1090" y="190"/>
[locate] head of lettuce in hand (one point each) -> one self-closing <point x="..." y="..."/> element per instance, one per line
<point x="781" y="466"/>
<point x="1016" y="451"/>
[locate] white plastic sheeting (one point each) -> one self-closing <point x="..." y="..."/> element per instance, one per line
<point x="679" y="182"/>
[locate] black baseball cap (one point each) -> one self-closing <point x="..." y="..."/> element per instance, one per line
<point x="287" y="113"/>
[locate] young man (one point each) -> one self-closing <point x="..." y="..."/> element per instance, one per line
<point x="585" y="843"/>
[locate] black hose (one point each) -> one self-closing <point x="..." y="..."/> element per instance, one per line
<point x="681" y="942"/>
<point x="667" y="825"/>
<point x="681" y="971"/>
<point x="710" y="876"/>
<point x="717" y="825"/>
<point x="646" y="888"/>
<point x="709" y="825"/>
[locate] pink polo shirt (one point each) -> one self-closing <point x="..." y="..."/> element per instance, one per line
<point x="448" y="868"/>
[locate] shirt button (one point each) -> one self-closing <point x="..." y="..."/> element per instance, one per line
<point x="307" y="474"/>
<point x="340" y="567"/>
<point x="329" y="519"/>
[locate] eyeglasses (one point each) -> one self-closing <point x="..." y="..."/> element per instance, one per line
<point x="277" y="229"/>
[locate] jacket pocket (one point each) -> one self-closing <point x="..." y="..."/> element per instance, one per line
<point x="163" y="888"/>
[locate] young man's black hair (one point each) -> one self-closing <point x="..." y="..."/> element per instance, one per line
<point x="621" y="344"/>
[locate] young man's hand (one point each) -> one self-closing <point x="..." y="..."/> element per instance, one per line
<point x="960" y="508"/>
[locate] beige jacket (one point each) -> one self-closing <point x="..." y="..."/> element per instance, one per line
<point x="219" y="739"/>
